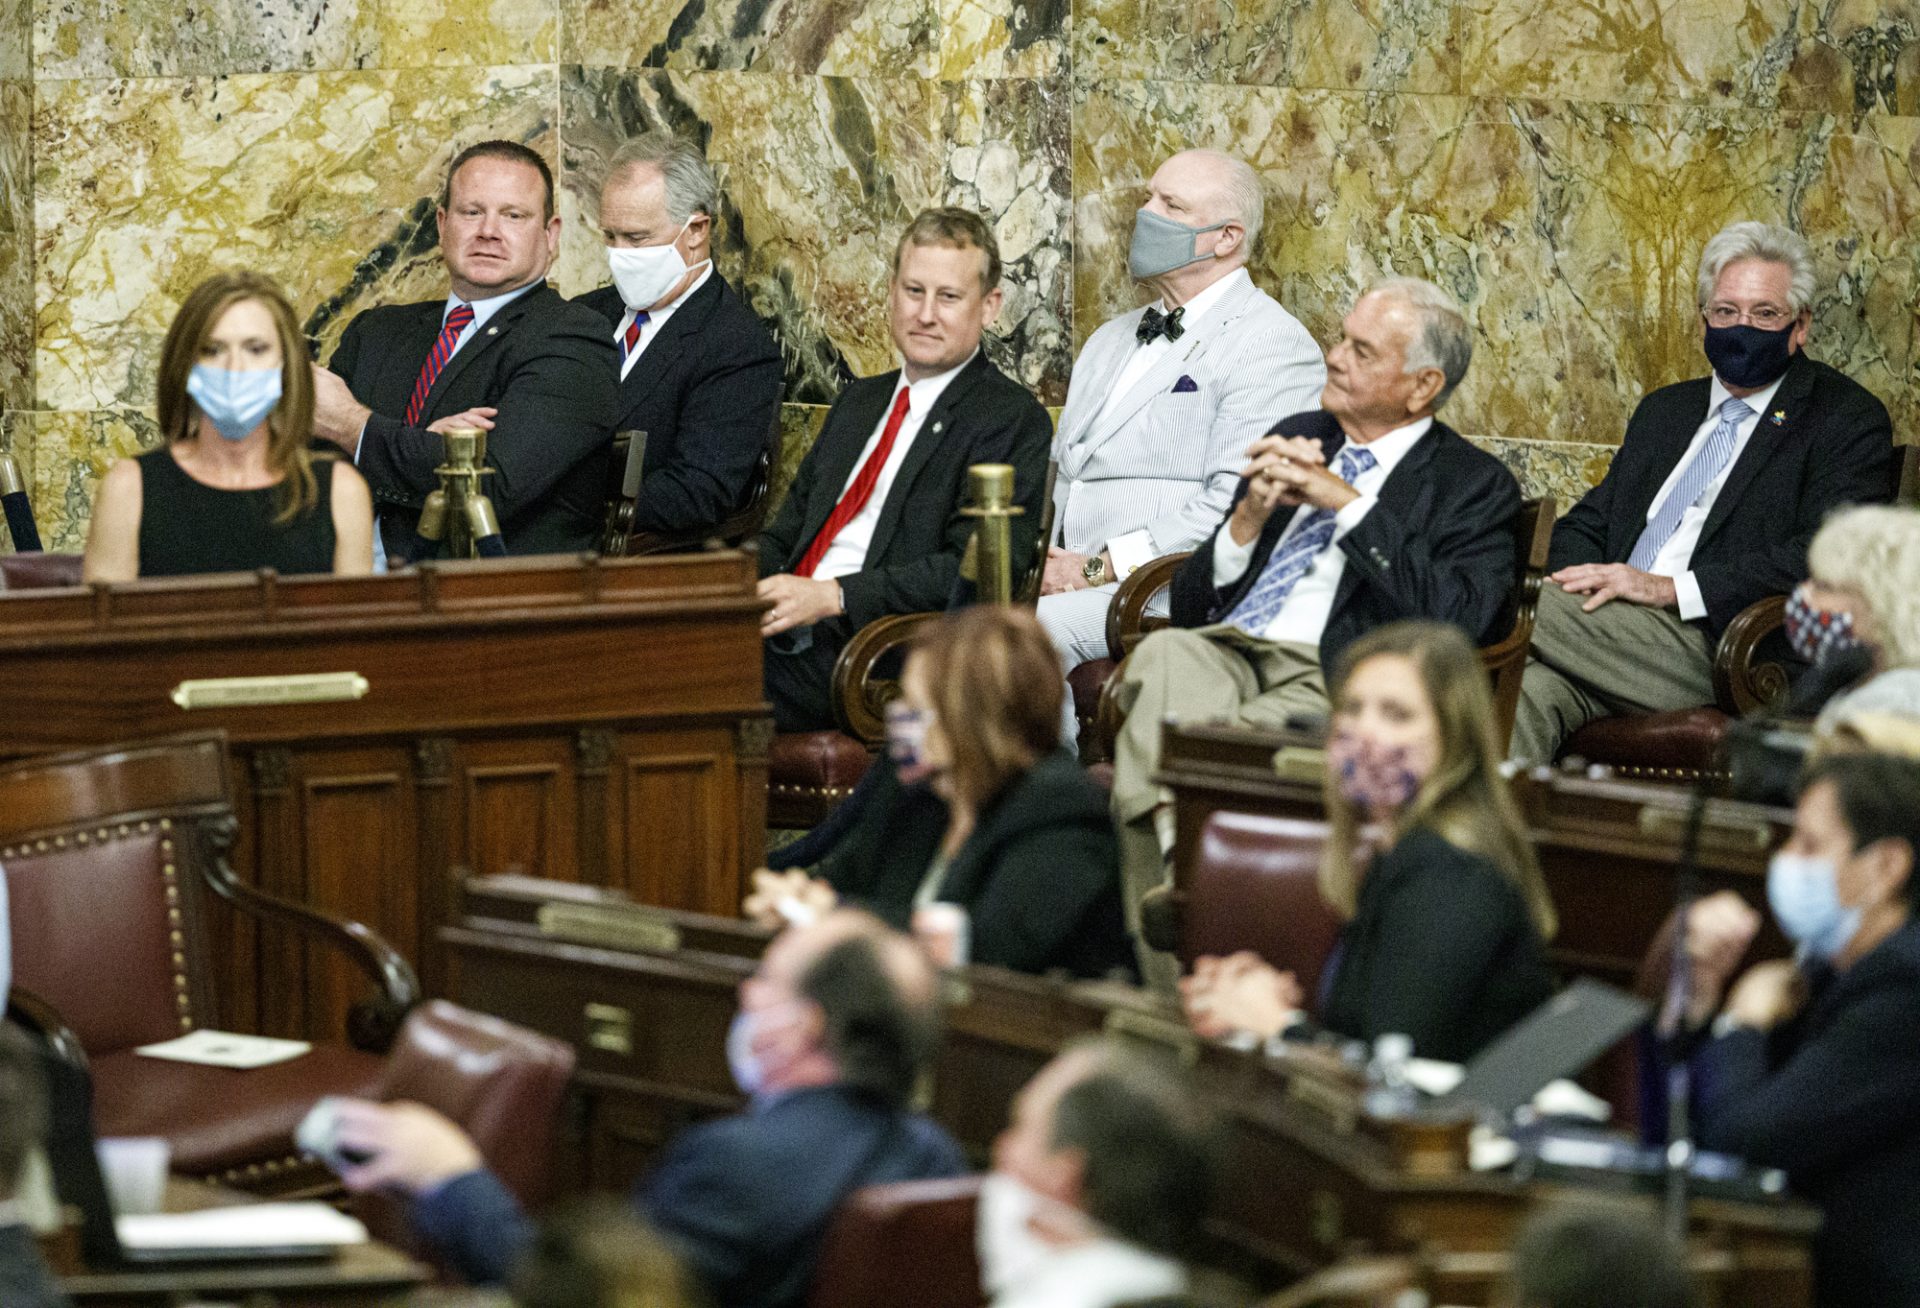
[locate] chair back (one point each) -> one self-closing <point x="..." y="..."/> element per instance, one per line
<point x="1027" y="593"/>
<point x="40" y="571"/>
<point x="911" y="1242"/>
<point x="105" y="853"/>
<point x="1255" y="884"/>
<point x="1506" y="659"/>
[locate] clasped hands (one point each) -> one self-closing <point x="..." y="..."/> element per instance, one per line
<point x="1720" y="928"/>
<point x="1241" y="992"/>
<point x="1285" y="472"/>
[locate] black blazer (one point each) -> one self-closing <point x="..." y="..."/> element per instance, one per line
<point x="705" y="391"/>
<point x="1438" y="545"/>
<point x="1834" y="1098"/>
<point x="544" y="363"/>
<point x="1039" y="875"/>
<point x="1824" y="441"/>
<point x="25" y="1281"/>
<point x="982" y="417"/>
<point x="1441" y="948"/>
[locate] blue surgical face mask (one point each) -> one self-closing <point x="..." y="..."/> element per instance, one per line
<point x="1804" y="894"/>
<point x="234" y="402"/>
<point x="1161" y="245"/>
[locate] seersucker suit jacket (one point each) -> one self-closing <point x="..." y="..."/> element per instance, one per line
<point x="1165" y="458"/>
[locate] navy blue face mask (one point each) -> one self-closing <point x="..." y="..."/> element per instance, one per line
<point x="1749" y="357"/>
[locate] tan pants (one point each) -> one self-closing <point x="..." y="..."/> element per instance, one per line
<point x="1621" y="658"/>
<point x="1208" y="673"/>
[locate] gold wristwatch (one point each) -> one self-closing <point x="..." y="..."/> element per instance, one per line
<point x="1095" y="571"/>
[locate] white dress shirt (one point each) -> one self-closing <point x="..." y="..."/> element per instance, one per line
<point x="1676" y="555"/>
<point x="482" y="310"/>
<point x="1304" y="616"/>
<point x="848" y="553"/>
<point x="656" y="319"/>
<point x="1099" y="1274"/>
<point x="1134" y="549"/>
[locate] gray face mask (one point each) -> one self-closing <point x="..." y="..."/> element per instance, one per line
<point x="1161" y="245"/>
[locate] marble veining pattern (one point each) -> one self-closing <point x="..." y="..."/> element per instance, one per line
<point x="16" y="245"/>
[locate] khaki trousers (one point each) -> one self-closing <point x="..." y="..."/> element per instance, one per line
<point x="1214" y="673"/>
<point x="1621" y="658"/>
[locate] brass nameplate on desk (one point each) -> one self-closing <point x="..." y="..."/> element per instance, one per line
<point x="1300" y="763"/>
<point x="610" y="926"/>
<point x="1151" y="1028"/>
<point x="253" y="692"/>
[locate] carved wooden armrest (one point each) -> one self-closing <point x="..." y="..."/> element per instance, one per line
<point x="28" y="1010"/>
<point x="371" y="1023"/>
<point x="1129" y="608"/>
<point x="860" y="693"/>
<point x="1742" y="684"/>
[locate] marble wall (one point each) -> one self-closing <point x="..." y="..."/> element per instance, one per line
<point x="1557" y="165"/>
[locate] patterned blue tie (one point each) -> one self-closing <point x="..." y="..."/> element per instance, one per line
<point x="1295" y="555"/>
<point x="1693" y="481"/>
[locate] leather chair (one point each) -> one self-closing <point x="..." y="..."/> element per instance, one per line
<point x="1254" y="884"/>
<point x="503" y="1084"/>
<point x="1092" y="683"/>
<point x="117" y="856"/>
<point x="810" y="772"/>
<point x="911" y="1242"/>
<point x="39" y="571"/>
<point x="621" y="540"/>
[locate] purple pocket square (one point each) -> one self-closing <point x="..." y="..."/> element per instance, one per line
<point x="1184" y="385"/>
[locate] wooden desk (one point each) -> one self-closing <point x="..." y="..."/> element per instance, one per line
<point x="1306" y="1184"/>
<point x="370" y="1274"/>
<point x="584" y="720"/>
<point x="1607" y="848"/>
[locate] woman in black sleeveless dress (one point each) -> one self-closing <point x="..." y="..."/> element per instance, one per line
<point x="236" y="486"/>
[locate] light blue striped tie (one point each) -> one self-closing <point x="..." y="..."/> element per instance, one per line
<point x="1693" y="481"/>
<point x="1291" y="561"/>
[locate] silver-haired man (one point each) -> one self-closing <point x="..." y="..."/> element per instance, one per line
<point x="1710" y="504"/>
<point x="1362" y="512"/>
<point x="699" y="373"/>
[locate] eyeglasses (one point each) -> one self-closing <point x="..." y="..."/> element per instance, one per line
<point x="1766" y="317"/>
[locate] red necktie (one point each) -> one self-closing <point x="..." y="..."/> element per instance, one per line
<point x="457" y="319"/>
<point x="632" y="336"/>
<point x="859" y="492"/>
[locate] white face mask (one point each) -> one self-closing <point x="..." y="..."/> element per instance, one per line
<point x="1010" y="1253"/>
<point x="647" y="273"/>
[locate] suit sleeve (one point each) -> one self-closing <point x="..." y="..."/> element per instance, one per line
<point x="1043" y="886"/>
<point x="477" y="1226"/>
<point x="1840" y="1095"/>
<point x="1456" y="567"/>
<point x="781" y="538"/>
<point x="1856" y="464"/>
<point x="558" y="402"/>
<point x="1192" y="597"/>
<point x="1580" y="534"/>
<point x="1015" y="431"/>
<point x="1278" y="374"/>
<point x="706" y="1198"/>
<point x="725" y="421"/>
<point x="346" y="355"/>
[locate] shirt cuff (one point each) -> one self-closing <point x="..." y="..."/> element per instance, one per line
<point x="1129" y="552"/>
<point x="1230" y="558"/>
<point x="1350" y="517"/>
<point x="1686" y="588"/>
<point x="359" y="441"/>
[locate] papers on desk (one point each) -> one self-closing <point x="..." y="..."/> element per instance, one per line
<point x="226" y="1049"/>
<point x="244" y="1228"/>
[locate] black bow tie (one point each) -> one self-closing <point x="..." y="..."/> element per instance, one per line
<point x="1155" y="323"/>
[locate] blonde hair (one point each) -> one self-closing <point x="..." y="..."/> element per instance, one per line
<point x="1465" y="800"/>
<point x="1874" y="550"/>
<point x="994" y="680"/>
<point x="289" y="426"/>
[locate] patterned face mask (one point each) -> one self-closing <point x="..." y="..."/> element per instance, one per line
<point x="1376" y="778"/>
<point x="1817" y="635"/>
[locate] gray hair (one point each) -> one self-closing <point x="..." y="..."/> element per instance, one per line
<point x="1245" y="201"/>
<point x="1444" y="341"/>
<point x="691" y="187"/>
<point x="1765" y="241"/>
<point x="1874" y="551"/>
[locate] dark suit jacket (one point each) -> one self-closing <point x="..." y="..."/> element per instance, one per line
<point x="1834" y="1099"/>
<point x="744" y="1200"/>
<point x="982" y="417"/>
<point x="1833" y="445"/>
<point x="1039" y="875"/>
<point x="1441" y="948"/>
<point x="544" y="363"/>
<point x="1438" y="545"/>
<point x="705" y="391"/>
<point x="25" y="1281"/>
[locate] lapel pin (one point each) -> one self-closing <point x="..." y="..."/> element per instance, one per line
<point x="491" y="331"/>
<point x="1779" y="417"/>
<point x="936" y="428"/>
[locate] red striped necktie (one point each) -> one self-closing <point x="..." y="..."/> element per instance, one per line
<point x="458" y="319"/>
<point x="859" y="492"/>
<point x="631" y="337"/>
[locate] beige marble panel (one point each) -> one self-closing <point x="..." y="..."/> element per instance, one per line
<point x="1004" y="38"/>
<point x="472" y="33"/>
<point x="16" y="40"/>
<point x="325" y="181"/>
<point x="16" y="245"/>
<point x="64" y="456"/>
<point x="841" y="37"/>
<point x="1371" y="45"/>
<point x="820" y="175"/>
<point x="1840" y="56"/>
<point x="1565" y="470"/>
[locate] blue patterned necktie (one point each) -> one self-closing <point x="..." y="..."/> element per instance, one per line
<point x="1693" y="482"/>
<point x="1294" y="556"/>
